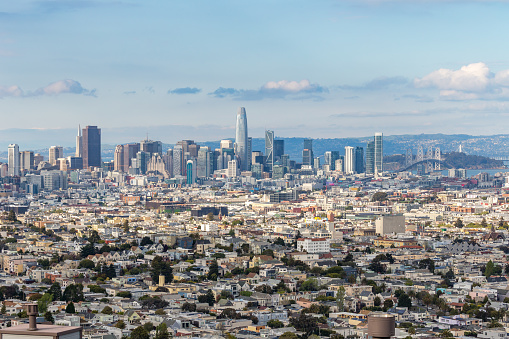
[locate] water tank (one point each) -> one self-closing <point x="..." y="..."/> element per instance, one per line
<point x="381" y="325"/>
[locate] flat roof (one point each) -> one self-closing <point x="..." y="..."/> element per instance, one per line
<point x="42" y="330"/>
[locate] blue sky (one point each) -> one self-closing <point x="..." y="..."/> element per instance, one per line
<point x="303" y="68"/>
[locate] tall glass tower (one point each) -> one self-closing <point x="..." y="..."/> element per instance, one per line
<point x="379" y="153"/>
<point x="370" y="157"/>
<point x="269" y="149"/>
<point x="241" y="142"/>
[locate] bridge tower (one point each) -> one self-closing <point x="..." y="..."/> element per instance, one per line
<point x="420" y="154"/>
<point x="438" y="156"/>
<point x="429" y="153"/>
<point x="409" y="157"/>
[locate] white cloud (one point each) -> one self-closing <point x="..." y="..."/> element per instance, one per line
<point x="289" y="86"/>
<point x="471" y="82"/>
<point x="11" y="91"/>
<point x="295" y="90"/>
<point x="63" y="86"/>
<point x="472" y="78"/>
<point x="55" y="88"/>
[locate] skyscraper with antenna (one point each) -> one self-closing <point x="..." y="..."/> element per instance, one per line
<point x="79" y="143"/>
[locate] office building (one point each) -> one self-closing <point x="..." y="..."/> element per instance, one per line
<point x="379" y="153"/>
<point x="142" y="159"/>
<point x="241" y="142"/>
<point x="316" y="163"/>
<point x="390" y="224"/>
<point x="13" y="160"/>
<point x="79" y="143"/>
<point x="370" y="158"/>
<point x="279" y="149"/>
<point x="74" y="163"/>
<point x="359" y="159"/>
<point x="26" y="160"/>
<point x="349" y="160"/>
<point x="233" y="169"/>
<point x="178" y="155"/>
<point x="191" y="171"/>
<point x="54" y="180"/>
<point x="118" y="158"/>
<point x="225" y="143"/>
<point x="269" y="150"/>
<point x="129" y="152"/>
<point x="91" y="138"/>
<point x="151" y="147"/>
<point x="204" y="163"/>
<point x="307" y="152"/>
<point x="330" y="158"/>
<point x="339" y="164"/>
<point x="55" y="152"/>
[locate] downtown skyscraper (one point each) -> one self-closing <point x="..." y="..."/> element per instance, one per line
<point x="242" y="144"/>
<point x="91" y="139"/>
<point x="379" y="152"/>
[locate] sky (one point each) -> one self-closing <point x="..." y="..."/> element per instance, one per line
<point x="320" y="69"/>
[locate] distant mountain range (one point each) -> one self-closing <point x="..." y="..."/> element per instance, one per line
<point x="489" y="146"/>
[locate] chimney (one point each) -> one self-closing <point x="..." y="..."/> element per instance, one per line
<point x="32" y="312"/>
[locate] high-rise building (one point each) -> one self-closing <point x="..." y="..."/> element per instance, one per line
<point x="349" y="160"/>
<point x="279" y="149"/>
<point x="307" y="152"/>
<point x="13" y="160"/>
<point x="118" y="158"/>
<point x="79" y="143"/>
<point x="316" y="163"/>
<point x="178" y="155"/>
<point x="359" y="159"/>
<point x="370" y="157"/>
<point x="151" y="147"/>
<point x="204" y="163"/>
<point x="55" y="153"/>
<point x="233" y="169"/>
<point x="91" y="147"/>
<point x="241" y="142"/>
<point x="130" y="151"/>
<point x="26" y="160"/>
<point x="142" y="159"/>
<point x="191" y="171"/>
<point x="168" y="161"/>
<point x="269" y="150"/>
<point x="330" y="158"/>
<point x="226" y="144"/>
<point x="379" y="152"/>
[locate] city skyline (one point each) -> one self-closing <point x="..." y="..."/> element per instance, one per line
<point x="354" y="66"/>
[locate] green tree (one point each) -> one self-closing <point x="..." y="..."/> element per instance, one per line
<point x="56" y="291"/>
<point x="379" y="196"/>
<point x="70" y="308"/>
<point x="213" y="271"/>
<point x="43" y="303"/>
<point x="126" y="226"/>
<point x="86" y="263"/>
<point x="161" y="267"/>
<point x="149" y="326"/>
<point x="87" y="250"/>
<point x="146" y="241"/>
<point x="120" y="324"/>
<point x="49" y="317"/>
<point x="210" y="216"/>
<point x="207" y="298"/>
<point x="139" y="333"/>
<point x="484" y="224"/>
<point x="124" y="294"/>
<point x="12" y="216"/>
<point x="74" y="293"/>
<point x="404" y="300"/>
<point x="94" y="237"/>
<point x="288" y="335"/>
<point x="490" y="267"/>
<point x="274" y="323"/>
<point x="309" y="285"/>
<point x="107" y="310"/>
<point x="162" y="332"/>
<point x="341" y="298"/>
<point x="388" y="303"/>
<point x="458" y="223"/>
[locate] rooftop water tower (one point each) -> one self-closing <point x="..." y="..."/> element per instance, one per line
<point x="381" y="326"/>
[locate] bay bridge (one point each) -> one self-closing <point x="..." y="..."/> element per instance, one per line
<point x="432" y="158"/>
